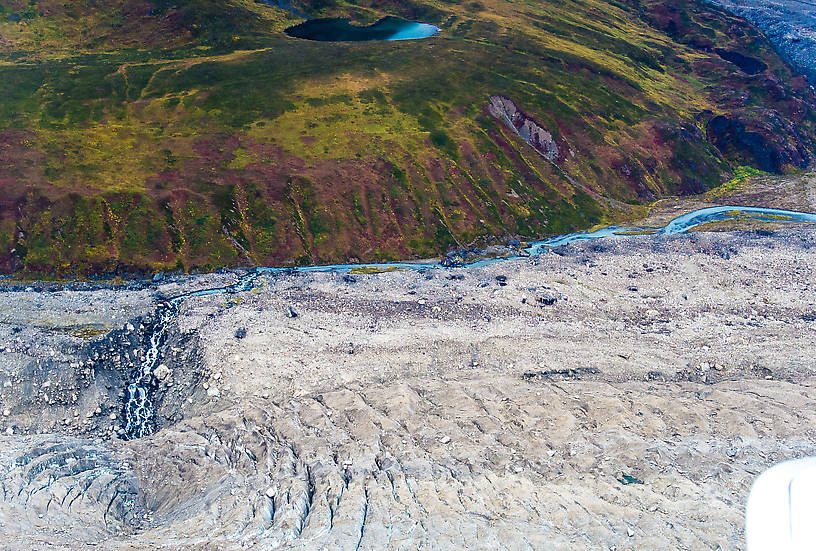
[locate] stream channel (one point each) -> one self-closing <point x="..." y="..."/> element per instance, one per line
<point x="138" y="408"/>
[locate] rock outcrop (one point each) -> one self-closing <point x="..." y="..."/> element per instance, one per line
<point x="525" y="126"/>
<point x="768" y="143"/>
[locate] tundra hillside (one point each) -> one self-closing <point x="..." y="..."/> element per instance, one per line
<point x="140" y="136"/>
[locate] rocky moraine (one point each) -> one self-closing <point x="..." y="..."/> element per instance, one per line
<point x="618" y="393"/>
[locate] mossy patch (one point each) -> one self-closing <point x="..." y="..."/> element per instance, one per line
<point x="741" y="175"/>
<point x="371" y="270"/>
<point x="88" y="332"/>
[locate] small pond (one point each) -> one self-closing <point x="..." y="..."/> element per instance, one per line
<point x="341" y="30"/>
<point x="749" y="65"/>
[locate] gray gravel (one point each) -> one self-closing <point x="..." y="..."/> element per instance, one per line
<point x="617" y="394"/>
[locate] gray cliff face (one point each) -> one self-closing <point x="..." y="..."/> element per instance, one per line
<point x="530" y="131"/>
<point x="789" y="24"/>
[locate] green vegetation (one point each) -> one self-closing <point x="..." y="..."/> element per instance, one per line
<point x="741" y="174"/>
<point x="369" y="270"/>
<point x="143" y="136"/>
<point x="88" y="332"/>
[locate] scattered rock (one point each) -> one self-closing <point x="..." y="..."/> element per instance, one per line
<point x="763" y="372"/>
<point x="537" y="425"/>
<point x="525" y="126"/>
<point x="570" y="373"/>
<point x="162" y="372"/>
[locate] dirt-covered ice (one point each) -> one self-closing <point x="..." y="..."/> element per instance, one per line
<point x="620" y="394"/>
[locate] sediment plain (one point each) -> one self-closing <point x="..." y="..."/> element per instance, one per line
<point x="617" y="394"/>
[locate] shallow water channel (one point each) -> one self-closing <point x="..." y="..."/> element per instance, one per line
<point x="138" y="407"/>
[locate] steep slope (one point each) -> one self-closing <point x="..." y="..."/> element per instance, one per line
<point x="157" y="135"/>
<point x="789" y="24"/>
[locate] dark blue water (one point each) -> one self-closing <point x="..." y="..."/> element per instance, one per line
<point x="341" y="30"/>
